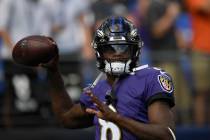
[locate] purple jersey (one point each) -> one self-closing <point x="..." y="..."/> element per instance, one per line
<point x="134" y="93"/>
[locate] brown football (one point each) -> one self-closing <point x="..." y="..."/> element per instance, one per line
<point x="33" y="50"/>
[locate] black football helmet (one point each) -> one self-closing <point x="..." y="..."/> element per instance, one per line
<point x="120" y="36"/>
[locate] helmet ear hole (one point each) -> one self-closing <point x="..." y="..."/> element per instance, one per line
<point x="133" y="39"/>
<point x="102" y="40"/>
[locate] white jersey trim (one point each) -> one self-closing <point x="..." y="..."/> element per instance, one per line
<point x="140" y="67"/>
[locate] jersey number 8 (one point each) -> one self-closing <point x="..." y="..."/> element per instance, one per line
<point x="109" y="128"/>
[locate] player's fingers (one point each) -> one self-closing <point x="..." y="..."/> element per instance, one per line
<point x="94" y="112"/>
<point x="98" y="103"/>
<point x="43" y="65"/>
<point x="88" y="92"/>
<point x="95" y="100"/>
<point x="54" y="60"/>
<point x="91" y="111"/>
<point x="52" y="63"/>
<point x="86" y="89"/>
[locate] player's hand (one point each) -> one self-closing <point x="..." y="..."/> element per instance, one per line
<point x="52" y="64"/>
<point x="103" y="112"/>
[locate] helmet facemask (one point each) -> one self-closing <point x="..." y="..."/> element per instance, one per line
<point x="117" y="58"/>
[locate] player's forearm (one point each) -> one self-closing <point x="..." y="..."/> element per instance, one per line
<point x="61" y="101"/>
<point x="142" y="130"/>
<point x="70" y="115"/>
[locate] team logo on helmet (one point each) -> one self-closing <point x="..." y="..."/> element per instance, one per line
<point x="166" y="83"/>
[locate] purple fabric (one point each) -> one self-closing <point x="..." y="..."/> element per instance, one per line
<point x="132" y="94"/>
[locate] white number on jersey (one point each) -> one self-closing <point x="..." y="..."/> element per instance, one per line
<point x="107" y="127"/>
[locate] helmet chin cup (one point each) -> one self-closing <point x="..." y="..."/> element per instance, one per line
<point x="117" y="67"/>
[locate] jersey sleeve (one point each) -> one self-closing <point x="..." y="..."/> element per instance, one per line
<point x="160" y="87"/>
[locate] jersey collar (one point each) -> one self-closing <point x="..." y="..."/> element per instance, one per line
<point x="139" y="68"/>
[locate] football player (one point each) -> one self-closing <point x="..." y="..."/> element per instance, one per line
<point x="133" y="102"/>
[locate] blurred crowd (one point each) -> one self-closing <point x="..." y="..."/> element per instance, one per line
<point x="175" y="34"/>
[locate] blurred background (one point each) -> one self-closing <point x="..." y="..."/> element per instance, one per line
<point x="176" y="35"/>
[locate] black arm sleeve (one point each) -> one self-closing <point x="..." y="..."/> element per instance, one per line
<point x="162" y="96"/>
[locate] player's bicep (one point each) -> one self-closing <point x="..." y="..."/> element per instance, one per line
<point x="77" y="117"/>
<point x="159" y="112"/>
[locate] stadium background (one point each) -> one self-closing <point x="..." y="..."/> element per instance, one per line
<point x="25" y="106"/>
